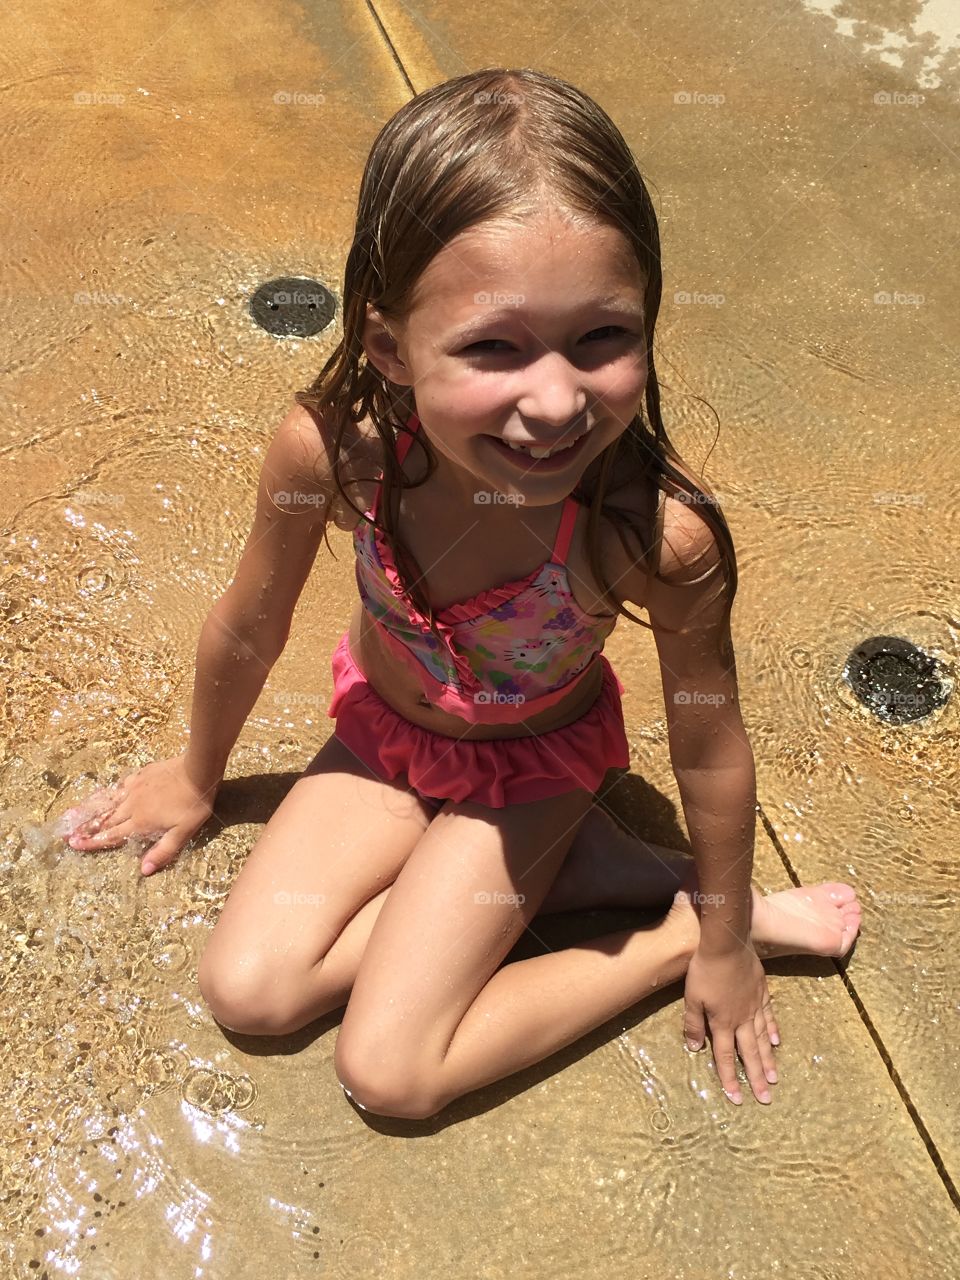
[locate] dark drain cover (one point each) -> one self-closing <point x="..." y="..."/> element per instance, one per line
<point x="895" y="680"/>
<point x="293" y="306"/>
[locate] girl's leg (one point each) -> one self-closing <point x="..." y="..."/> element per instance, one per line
<point x="608" y="866"/>
<point x="338" y="838"/>
<point x="290" y="938"/>
<point x="780" y="925"/>
<point x="605" y="867"/>
<point x="430" y="1016"/>
<point x="472" y="884"/>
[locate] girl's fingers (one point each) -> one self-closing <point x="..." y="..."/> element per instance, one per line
<point x="766" y="1049"/>
<point x="724" y="1055"/>
<point x="115" y="815"/>
<point x="89" y="823"/>
<point x="79" y="836"/>
<point x="752" y="1063"/>
<point x="105" y="799"/>
<point x="84" y="830"/>
<point x="100" y="801"/>
<point x="94" y="823"/>
<point x="162" y="853"/>
<point x="113" y="834"/>
<point x="769" y="1021"/>
<point x="773" y="1031"/>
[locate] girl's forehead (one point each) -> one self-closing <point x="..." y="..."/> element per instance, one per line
<point x="545" y="257"/>
<point x="504" y="243"/>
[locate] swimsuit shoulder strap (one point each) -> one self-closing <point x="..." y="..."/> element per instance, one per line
<point x="568" y="520"/>
<point x="404" y="441"/>
<point x="406" y="438"/>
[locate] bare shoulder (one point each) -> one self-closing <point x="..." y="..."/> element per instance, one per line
<point x="683" y="548"/>
<point x="309" y="444"/>
<point x="689" y="588"/>
<point x="689" y="609"/>
<point x="300" y="448"/>
<point x="688" y="545"/>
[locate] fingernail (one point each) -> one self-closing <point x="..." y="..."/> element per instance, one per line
<point x="691" y="1045"/>
<point x="764" y="1096"/>
<point x="734" y="1097"/>
<point x="774" y="1039"/>
<point x="772" y="1076"/>
<point x="147" y="868"/>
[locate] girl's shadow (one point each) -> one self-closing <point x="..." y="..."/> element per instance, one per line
<point x="251" y="800"/>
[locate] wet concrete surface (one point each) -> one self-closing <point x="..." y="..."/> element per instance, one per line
<point x="154" y="177"/>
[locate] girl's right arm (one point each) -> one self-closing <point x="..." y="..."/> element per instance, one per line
<point x="240" y="640"/>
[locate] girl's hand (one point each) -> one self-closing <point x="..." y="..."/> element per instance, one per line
<point x="730" y="990"/>
<point x="158" y="800"/>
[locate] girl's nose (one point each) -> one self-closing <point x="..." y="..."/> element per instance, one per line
<point x="553" y="397"/>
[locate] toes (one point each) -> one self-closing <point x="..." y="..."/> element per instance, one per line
<point x="851" y="916"/>
<point x="851" y="927"/>
<point x="840" y="893"/>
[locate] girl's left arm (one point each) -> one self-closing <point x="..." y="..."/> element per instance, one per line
<point x="709" y="750"/>
<point x="714" y="767"/>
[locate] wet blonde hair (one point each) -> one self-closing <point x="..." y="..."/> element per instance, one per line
<point x="495" y="144"/>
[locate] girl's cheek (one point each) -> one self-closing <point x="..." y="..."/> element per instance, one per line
<point x="626" y="383"/>
<point x="484" y="396"/>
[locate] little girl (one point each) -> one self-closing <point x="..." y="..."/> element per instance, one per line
<point x="499" y="306"/>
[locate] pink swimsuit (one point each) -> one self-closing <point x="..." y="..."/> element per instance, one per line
<point x="508" y="653"/>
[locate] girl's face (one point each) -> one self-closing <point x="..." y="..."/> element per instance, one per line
<point x="531" y="335"/>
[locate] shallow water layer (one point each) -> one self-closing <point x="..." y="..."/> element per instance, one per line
<point x="156" y="176"/>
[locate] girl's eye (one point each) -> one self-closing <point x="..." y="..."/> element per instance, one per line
<point x="609" y="329"/>
<point x="487" y="342"/>
<point x="477" y="346"/>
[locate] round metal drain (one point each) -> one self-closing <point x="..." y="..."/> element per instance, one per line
<point x="293" y="307"/>
<point x="895" y="680"/>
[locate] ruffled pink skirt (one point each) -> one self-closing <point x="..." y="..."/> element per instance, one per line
<point x="491" y="771"/>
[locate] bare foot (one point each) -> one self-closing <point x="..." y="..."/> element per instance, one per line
<point x="816" y="920"/>
<point x="608" y="867"/>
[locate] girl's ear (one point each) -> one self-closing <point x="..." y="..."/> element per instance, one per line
<point x="381" y="348"/>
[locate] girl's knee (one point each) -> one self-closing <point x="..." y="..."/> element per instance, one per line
<point x="384" y="1088"/>
<point x="244" y="995"/>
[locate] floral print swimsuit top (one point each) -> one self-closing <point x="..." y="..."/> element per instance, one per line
<point x="508" y="652"/>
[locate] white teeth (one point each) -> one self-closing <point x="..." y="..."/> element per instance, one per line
<point x="542" y="453"/>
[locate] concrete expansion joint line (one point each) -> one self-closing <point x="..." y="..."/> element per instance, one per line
<point x="391" y="47"/>
<point x="840" y="965"/>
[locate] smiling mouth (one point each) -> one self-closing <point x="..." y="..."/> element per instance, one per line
<point x="541" y="453"/>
